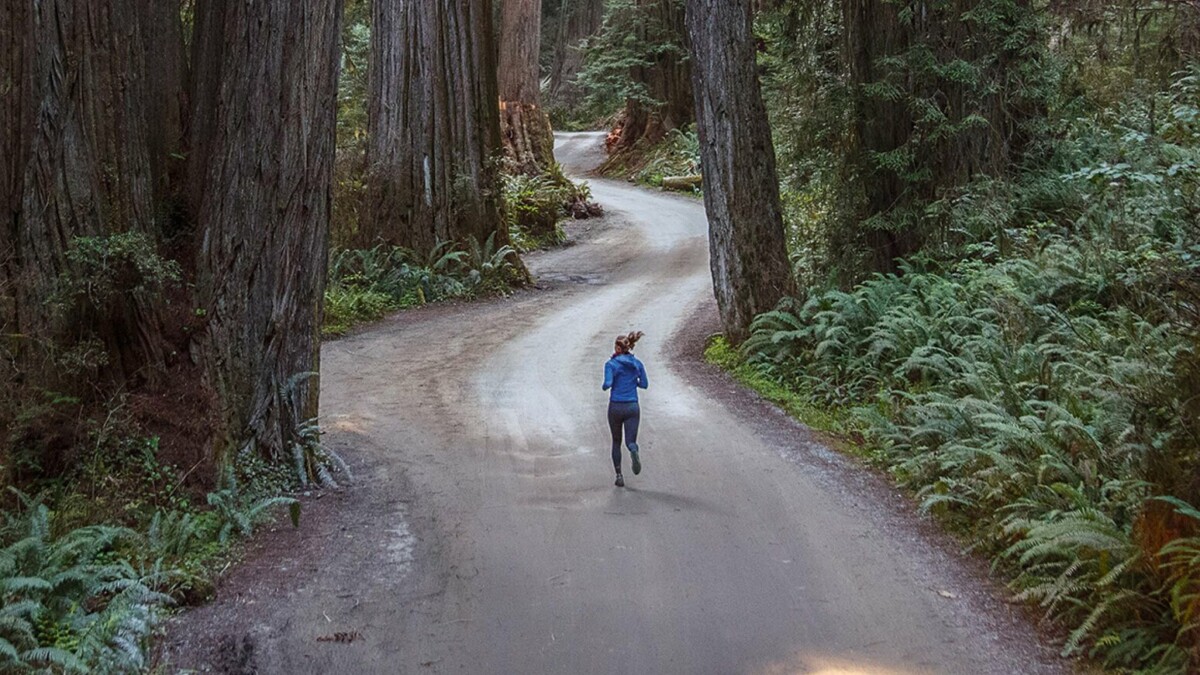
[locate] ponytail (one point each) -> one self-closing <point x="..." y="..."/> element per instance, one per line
<point x="625" y="343"/>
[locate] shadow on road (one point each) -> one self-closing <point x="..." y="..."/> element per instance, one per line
<point x="629" y="499"/>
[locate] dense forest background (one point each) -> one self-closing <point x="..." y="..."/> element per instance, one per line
<point x="982" y="217"/>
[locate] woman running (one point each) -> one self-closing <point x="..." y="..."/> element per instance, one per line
<point x="623" y="374"/>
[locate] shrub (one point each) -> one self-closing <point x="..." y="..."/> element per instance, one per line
<point x="1036" y="385"/>
<point x="366" y="284"/>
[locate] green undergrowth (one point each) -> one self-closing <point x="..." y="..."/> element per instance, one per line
<point x="760" y="380"/>
<point x="677" y="154"/>
<point x="91" y="564"/>
<point x="1037" y="390"/>
<point x="535" y="206"/>
<point x="367" y="284"/>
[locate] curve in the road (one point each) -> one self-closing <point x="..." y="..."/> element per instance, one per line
<point x="487" y="537"/>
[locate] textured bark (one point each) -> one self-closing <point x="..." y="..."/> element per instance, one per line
<point x="166" y="104"/>
<point x="524" y="126"/>
<point x="875" y="31"/>
<point x="741" y="190"/>
<point x="668" y="80"/>
<point x="433" y="123"/>
<point x="578" y="21"/>
<point x="263" y="120"/>
<point x="16" y="131"/>
<point x="75" y="164"/>
<point x="520" y="44"/>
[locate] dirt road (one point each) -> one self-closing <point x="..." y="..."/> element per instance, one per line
<point x="484" y="534"/>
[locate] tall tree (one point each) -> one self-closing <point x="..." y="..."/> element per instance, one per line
<point x="75" y="164"/>
<point x="662" y="99"/>
<point x="941" y="96"/>
<point x="265" y="80"/>
<point x="578" y="20"/>
<point x="433" y="123"/>
<point x="741" y="190"/>
<point x="524" y="126"/>
<point x="166" y="103"/>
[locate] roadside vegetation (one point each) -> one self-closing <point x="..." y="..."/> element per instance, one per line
<point x="992" y="213"/>
<point x="366" y="284"/>
<point x="1028" y="370"/>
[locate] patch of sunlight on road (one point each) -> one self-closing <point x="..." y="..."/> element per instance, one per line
<point x="355" y="424"/>
<point x="803" y="664"/>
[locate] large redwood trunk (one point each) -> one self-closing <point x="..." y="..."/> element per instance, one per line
<point x="524" y="126"/>
<point x="578" y="21"/>
<point x="433" y="123"/>
<point x="878" y="38"/>
<point x="166" y="104"/>
<point x="741" y="190"/>
<point x="262" y="135"/>
<point x="75" y="163"/>
<point x="668" y="78"/>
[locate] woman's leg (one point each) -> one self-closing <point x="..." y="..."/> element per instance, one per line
<point x="614" y="426"/>
<point x="631" y="432"/>
<point x="632" y="419"/>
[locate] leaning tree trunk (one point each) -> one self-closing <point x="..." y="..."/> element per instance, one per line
<point x="433" y="123"/>
<point x="578" y="21"/>
<point x="667" y="78"/>
<point x="741" y="190"/>
<point x="524" y="126"/>
<point x="74" y="158"/>
<point x="263" y="119"/>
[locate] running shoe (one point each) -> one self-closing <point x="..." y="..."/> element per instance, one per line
<point x="637" y="463"/>
<point x="620" y="481"/>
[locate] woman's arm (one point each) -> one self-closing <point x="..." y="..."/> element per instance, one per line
<point x="642" y="381"/>
<point x="608" y="376"/>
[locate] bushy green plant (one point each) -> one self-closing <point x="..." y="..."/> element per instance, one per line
<point x="365" y="284"/>
<point x="114" y="265"/>
<point x="677" y="155"/>
<point x="533" y="207"/>
<point x="71" y="602"/>
<point x="1039" y="393"/>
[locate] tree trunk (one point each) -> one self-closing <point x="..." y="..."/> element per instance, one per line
<point x="166" y="106"/>
<point x="741" y="190"/>
<point x="524" y="126"/>
<point x="433" y="123"/>
<point x="879" y="42"/>
<point x="265" y="82"/>
<point x="16" y="131"/>
<point x="578" y="21"/>
<point x="75" y="164"/>
<point x="667" y="79"/>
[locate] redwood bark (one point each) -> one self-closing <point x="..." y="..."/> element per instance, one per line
<point x="668" y="78"/>
<point x="433" y="123"/>
<point x="166" y="104"/>
<point x="741" y="190"/>
<point x="877" y="32"/>
<point x="524" y="126"/>
<point x="579" y="20"/>
<point x="75" y="164"/>
<point x="263" y="119"/>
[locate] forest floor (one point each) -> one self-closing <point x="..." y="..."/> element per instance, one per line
<point x="483" y="533"/>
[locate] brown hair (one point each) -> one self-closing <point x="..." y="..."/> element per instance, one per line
<point x="625" y="343"/>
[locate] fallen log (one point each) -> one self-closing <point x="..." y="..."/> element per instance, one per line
<point x="685" y="183"/>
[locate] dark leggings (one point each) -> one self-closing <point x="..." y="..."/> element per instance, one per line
<point x="627" y="415"/>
